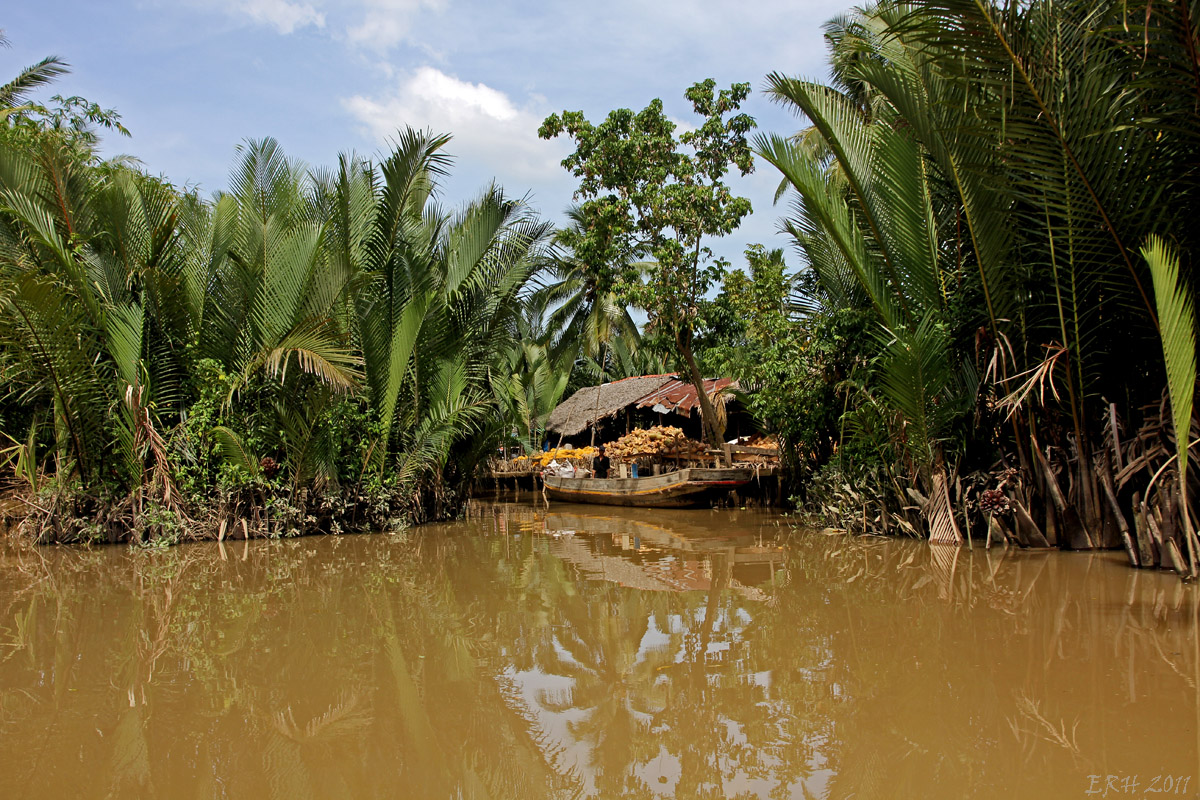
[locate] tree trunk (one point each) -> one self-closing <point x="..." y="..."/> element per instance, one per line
<point x="596" y="410"/>
<point x="707" y="414"/>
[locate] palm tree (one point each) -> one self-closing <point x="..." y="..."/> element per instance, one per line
<point x="988" y="209"/>
<point x="266" y="304"/>
<point x="335" y="321"/>
<point x="625" y="358"/>
<point x="588" y="314"/>
<point x="14" y="93"/>
<point x="870" y="232"/>
<point x="436" y="301"/>
<point x="88" y="262"/>
<point x="529" y="382"/>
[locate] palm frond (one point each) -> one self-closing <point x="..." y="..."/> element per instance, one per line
<point x="15" y="92"/>
<point x="1177" y="324"/>
<point x="233" y="449"/>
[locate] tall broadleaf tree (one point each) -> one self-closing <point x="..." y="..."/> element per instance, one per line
<point x="649" y="195"/>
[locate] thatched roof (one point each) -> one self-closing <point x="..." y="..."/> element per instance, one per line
<point x="593" y="403"/>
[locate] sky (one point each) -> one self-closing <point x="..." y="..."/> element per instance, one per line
<point x="194" y="78"/>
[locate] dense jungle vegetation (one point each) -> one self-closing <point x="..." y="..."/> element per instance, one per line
<point x="997" y="205"/>
<point x="989" y="332"/>
<point x="311" y="350"/>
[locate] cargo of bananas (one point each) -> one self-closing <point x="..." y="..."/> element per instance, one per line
<point x="577" y="456"/>
<point x="659" y="441"/>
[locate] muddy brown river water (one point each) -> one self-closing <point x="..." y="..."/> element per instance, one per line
<point x="591" y="652"/>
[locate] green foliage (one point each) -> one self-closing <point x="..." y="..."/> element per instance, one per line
<point x="1177" y="321"/>
<point x="307" y="340"/>
<point x="235" y="453"/>
<point x="972" y="180"/>
<point x="529" y="383"/>
<point x="794" y="366"/>
<point x="584" y="312"/>
<point x="1177" y="324"/>
<point x="74" y="121"/>
<point x="648" y="194"/>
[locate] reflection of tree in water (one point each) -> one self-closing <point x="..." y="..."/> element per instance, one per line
<point x="660" y="683"/>
<point x="598" y="645"/>
<point x="348" y="672"/>
<point x="883" y="669"/>
<point x="731" y="717"/>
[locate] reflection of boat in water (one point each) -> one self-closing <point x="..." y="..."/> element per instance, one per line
<point x="685" y="487"/>
<point x="666" y="552"/>
<point x="681" y="532"/>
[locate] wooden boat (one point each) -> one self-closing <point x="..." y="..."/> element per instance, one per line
<point x="685" y="487"/>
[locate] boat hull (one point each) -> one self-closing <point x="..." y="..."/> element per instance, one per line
<point x="686" y="487"/>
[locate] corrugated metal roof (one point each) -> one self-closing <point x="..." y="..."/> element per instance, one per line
<point x="679" y="396"/>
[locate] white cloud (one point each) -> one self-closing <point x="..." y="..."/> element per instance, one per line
<point x="490" y="131"/>
<point x="386" y="23"/>
<point x="283" y="15"/>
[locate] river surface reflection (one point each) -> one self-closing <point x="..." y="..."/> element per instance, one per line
<point x="591" y="652"/>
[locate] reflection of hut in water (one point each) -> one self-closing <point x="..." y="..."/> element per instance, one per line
<point x="641" y="402"/>
<point x="662" y="559"/>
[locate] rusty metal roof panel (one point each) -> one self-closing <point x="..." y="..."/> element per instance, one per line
<point x="679" y="396"/>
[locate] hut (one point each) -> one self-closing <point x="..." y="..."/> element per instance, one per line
<point x="678" y="396"/>
<point x="641" y="402"/>
<point x="594" y="405"/>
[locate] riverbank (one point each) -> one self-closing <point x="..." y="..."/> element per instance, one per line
<point x="258" y="511"/>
